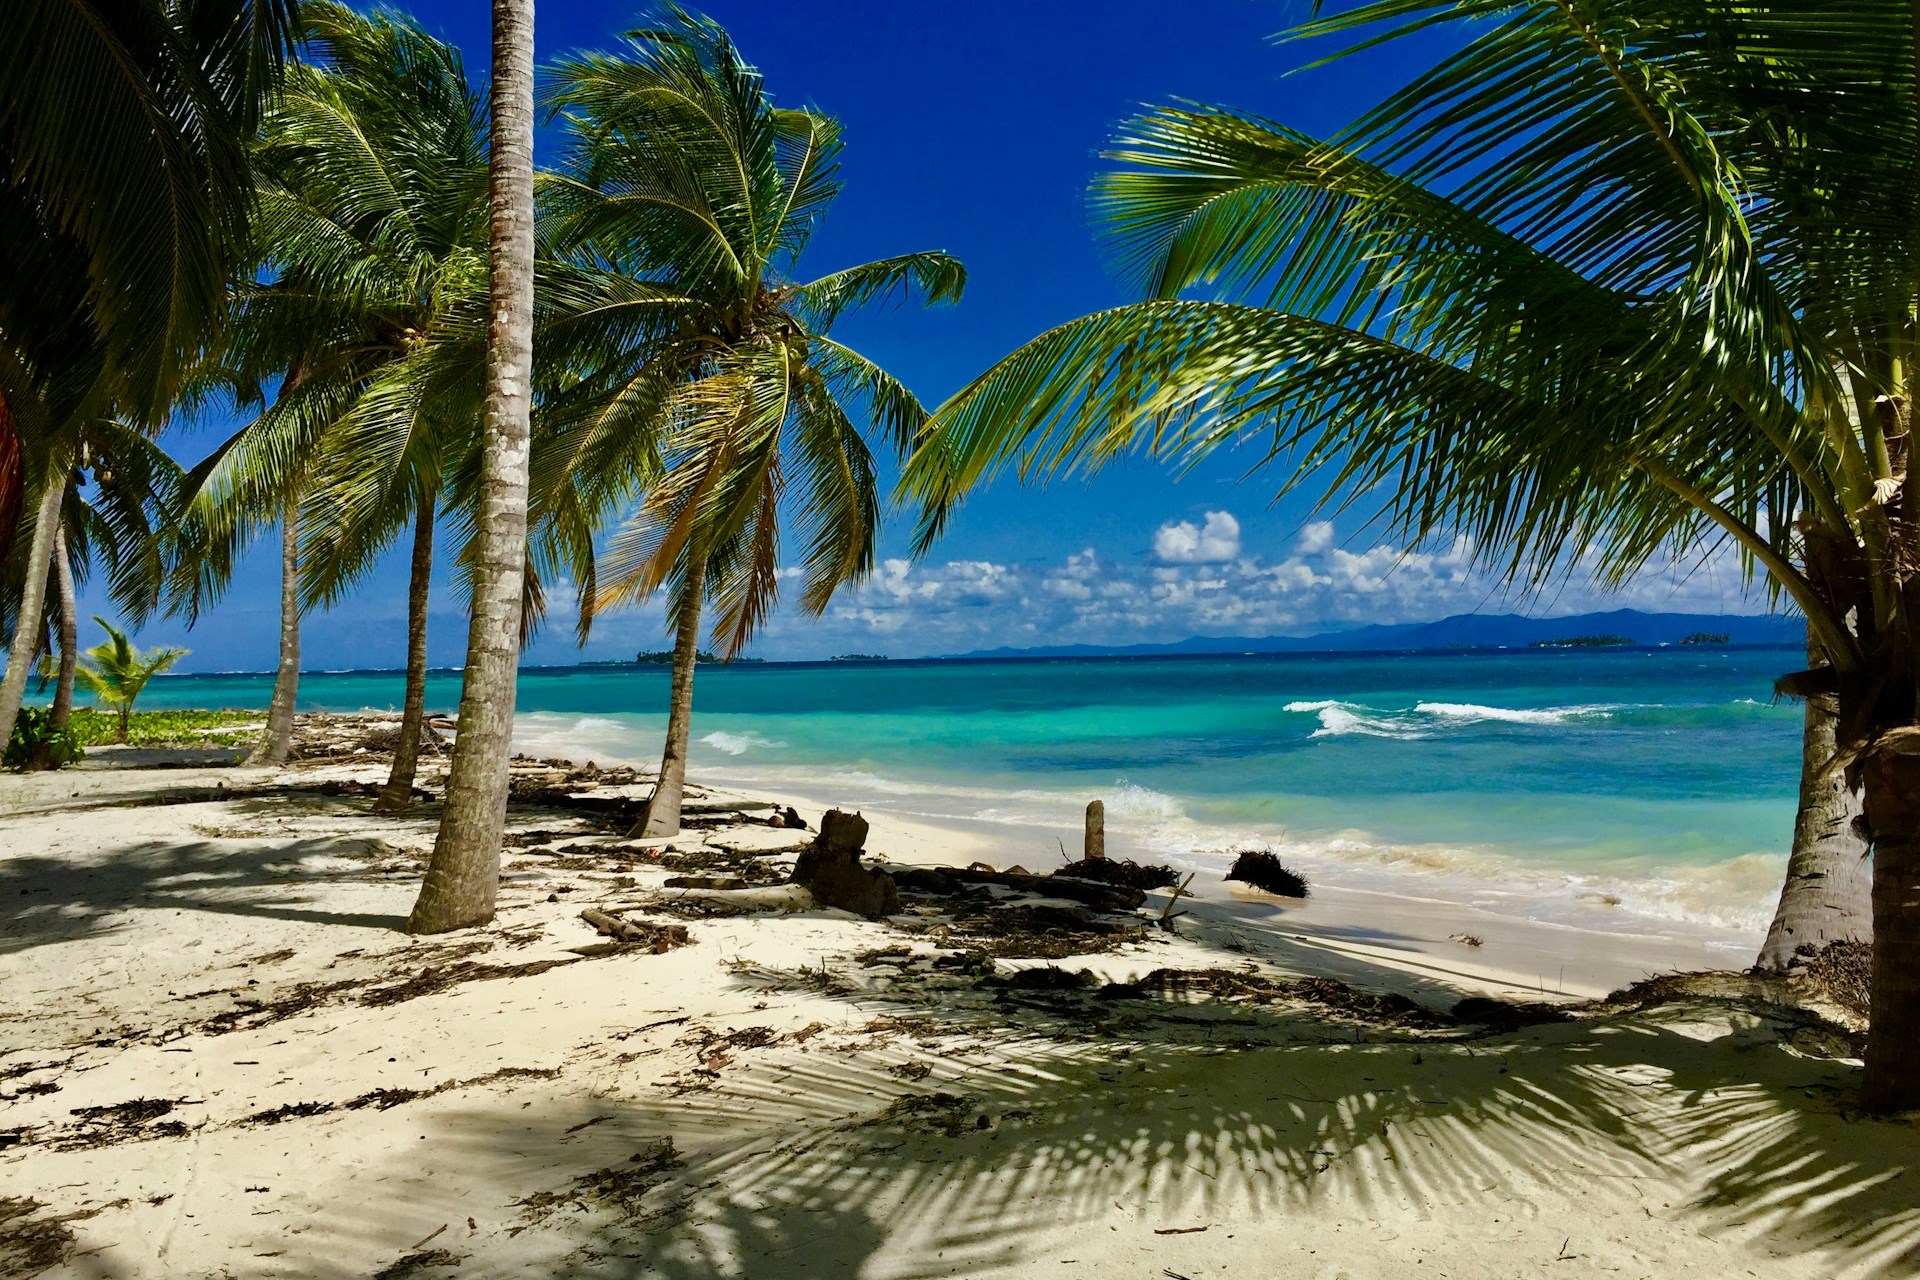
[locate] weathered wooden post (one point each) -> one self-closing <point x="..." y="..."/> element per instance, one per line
<point x="1096" y="842"/>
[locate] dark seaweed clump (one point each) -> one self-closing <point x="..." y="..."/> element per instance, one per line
<point x="1261" y="869"/>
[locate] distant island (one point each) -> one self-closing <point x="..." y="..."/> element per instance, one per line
<point x="664" y="657"/>
<point x="1585" y="642"/>
<point x="858" y="657"/>
<point x="1465" y="631"/>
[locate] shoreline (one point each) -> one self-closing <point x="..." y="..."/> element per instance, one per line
<point x="1405" y="921"/>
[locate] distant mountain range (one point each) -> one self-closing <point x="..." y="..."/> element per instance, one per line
<point x="1462" y="631"/>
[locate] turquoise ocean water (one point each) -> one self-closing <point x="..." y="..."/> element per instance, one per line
<point x="1661" y="782"/>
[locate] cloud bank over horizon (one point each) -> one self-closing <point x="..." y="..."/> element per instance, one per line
<point x="1194" y="579"/>
<point x="1190" y="576"/>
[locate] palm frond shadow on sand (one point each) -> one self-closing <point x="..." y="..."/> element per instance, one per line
<point x="264" y="866"/>
<point x="1028" y="1135"/>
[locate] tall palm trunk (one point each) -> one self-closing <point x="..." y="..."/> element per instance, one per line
<point x="1892" y="791"/>
<point x="663" y="809"/>
<point x="69" y="629"/>
<point x="1828" y="894"/>
<point x="27" y="629"/>
<point x="406" y="753"/>
<point x="464" y="876"/>
<point x="277" y="740"/>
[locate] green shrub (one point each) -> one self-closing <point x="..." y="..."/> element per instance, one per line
<point x="37" y="744"/>
<point x="183" y="728"/>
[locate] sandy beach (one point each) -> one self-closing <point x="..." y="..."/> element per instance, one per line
<point x="219" y="1056"/>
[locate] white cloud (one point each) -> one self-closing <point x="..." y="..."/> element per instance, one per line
<point x="1184" y="542"/>
<point x="1315" y="536"/>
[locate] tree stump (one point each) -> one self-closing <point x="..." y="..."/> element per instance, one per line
<point x="831" y="871"/>
<point x="1096" y="841"/>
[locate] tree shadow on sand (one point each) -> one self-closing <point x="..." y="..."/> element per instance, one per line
<point x="51" y="899"/>
<point x="1042" y="1118"/>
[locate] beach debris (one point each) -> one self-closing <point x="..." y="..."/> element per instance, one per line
<point x="1253" y="987"/>
<point x="659" y="938"/>
<point x="1467" y="939"/>
<point x="1121" y="871"/>
<point x="1168" y="916"/>
<point x="417" y="1262"/>
<point x="31" y="1242"/>
<point x="1089" y="892"/>
<point x="830" y="869"/>
<point x="620" y="1186"/>
<point x="750" y="866"/>
<point x="928" y="880"/>
<point x="1094" y="847"/>
<point x="1261" y="869"/>
<point x="133" y="1121"/>
<point x="705" y="882"/>
<point x="1048" y="978"/>
<point x="291" y="1111"/>
<point x="443" y="977"/>
<point x="1840" y="971"/>
<point x="1035" y="930"/>
<point x="788" y="817"/>
<point x="951" y="1114"/>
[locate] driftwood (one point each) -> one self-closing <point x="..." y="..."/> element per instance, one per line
<point x="1180" y="891"/>
<point x="660" y="937"/>
<point x="1105" y="897"/>
<point x="947" y="880"/>
<point x="705" y="882"/>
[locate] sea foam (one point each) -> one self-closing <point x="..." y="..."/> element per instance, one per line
<point x="1338" y="719"/>
<point x="1471" y="712"/>
<point x="1424" y="719"/>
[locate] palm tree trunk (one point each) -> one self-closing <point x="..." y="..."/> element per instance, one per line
<point x="663" y="808"/>
<point x="464" y="876"/>
<point x="1828" y="894"/>
<point x="277" y="740"/>
<point x="69" y="629"/>
<point x="406" y="753"/>
<point x="27" y="628"/>
<point x="1892" y="792"/>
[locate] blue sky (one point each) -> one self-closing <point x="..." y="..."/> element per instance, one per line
<point x="974" y="128"/>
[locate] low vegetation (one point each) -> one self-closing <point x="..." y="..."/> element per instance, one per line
<point x="93" y="728"/>
<point x="38" y="742"/>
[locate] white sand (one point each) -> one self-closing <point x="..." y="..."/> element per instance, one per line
<point x="1039" y="1136"/>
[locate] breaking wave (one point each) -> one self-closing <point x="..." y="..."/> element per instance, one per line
<point x="738" y="744"/>
<point x="1424" y="719"/>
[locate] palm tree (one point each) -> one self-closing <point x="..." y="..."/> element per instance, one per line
<point x="1610" y="281"/>
<point x="463" y="878"/>
<point x="123" y="132"/>
<point x="119" y="521"/>
<point x="686" y="198"/>
<point x="123" y="129"/>
<point x="120" y="672"/>
<point x="372" y="241"/>
<point x="1827" y="895"/>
